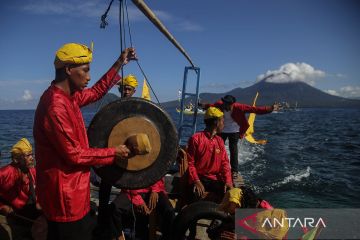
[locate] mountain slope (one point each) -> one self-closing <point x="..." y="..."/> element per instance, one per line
<point x="300" y="92"/>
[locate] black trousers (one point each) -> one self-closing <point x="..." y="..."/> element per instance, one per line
<point x="121" y="210"/>
<point x="210" y="185"/>
<point x="104" y="198"/>
<point x="233" y="141"/>
<point x="76" y="230"/>
<point x="20" y="227"/>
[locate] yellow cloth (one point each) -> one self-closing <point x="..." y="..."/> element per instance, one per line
<point x="275" y="232"/>
<point x="248" y="135"/>
<point x="145" y="91"/>
<point x="22" y="146"/>
<point x="213" y="112"/>
<point x="234" y="195"/>
<point x="72" y="53"/>
<point x="139" y="144"/>
<point x="130" y="80"/>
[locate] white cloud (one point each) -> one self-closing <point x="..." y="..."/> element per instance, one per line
<point x="332" y="92"/>
<point x="350" y="91"/>
<point x="78" y="8"/>
<point x="96" y="8"/>
<point x="293" y="72"/>
<point x="163" y="15"/>
<point x="27" y="95"/>
<point x="188" y="26"/>
<point x="340" y="75"/>
<point x="346" y="92"/>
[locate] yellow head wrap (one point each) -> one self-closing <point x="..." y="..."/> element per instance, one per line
<point x="213" y="112"/>
<point x="130" y="80"/>
<point x="234" y="195"/>
<point x="72" y="53"/>
<point x="22" y="146"/>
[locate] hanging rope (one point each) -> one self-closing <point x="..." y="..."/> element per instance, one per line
<point x="137" y="61"/>
<point x="128" y="22"/>
<point x="123" y="12"/>
<point x="122" y="40"/>
<point x="104" y="23"/>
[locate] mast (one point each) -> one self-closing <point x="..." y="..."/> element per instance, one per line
<point x="152" y="17"/>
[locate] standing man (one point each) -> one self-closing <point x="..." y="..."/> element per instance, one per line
<point x="209" y="168"/>
<point x="62" y="149"/>
<point x="236" y="124"/>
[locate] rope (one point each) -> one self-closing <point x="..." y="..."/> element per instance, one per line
<point x="122" y="35"/>
<point x="137" y="61"/>
<point x="152" y="90"/>
<point x="104" y="23"/>
<point x="123" y="9"/>
<point x="127" y="16"/>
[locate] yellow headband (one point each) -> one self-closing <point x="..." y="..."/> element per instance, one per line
<point x="72" y="53"/>
<point x="213" y="112"/>
<point x="22" y="146"/>
<point x="130" y="80"/>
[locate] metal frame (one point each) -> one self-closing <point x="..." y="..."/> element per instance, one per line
<point x="185" y="94"/>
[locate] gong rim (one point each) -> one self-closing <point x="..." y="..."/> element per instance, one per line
<point x="109" y="116"/>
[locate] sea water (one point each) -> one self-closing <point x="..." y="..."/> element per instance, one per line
<point x="312" y="158"/>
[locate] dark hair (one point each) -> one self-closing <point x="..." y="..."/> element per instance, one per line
<point x="211" y="122"/>
<point x="249" y="199"/>
<point x="60" y="74"/>
<point x="228" y="99"/>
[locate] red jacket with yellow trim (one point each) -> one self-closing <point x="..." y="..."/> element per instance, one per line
<point x="62" y="151"/>
<point x="14" y="186"/>
<point x="208" y="158"/>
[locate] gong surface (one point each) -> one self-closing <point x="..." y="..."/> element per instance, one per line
<point x="118" y="120"/>
<point x="129" y="127"/>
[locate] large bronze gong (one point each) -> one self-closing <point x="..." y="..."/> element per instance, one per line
<point x="124" y="122"/>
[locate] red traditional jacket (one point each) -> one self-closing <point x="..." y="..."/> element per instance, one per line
<point x="135" y="197"/>
<point x="15" y="186"/>
<point x="208" y="158"/>
<point x="63" y="154"/>
<point x="238" y="113"/>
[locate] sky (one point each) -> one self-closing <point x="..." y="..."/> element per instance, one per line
<point x="234" y="42"/>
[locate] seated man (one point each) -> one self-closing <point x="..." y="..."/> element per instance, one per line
<point x="209" y="168"/>
<point x="17" y="193"/>
<point x="244" y="197"/>
<point x="144" y="202"/>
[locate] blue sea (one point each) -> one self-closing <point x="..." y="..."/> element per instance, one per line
<point x="312" y="158"/>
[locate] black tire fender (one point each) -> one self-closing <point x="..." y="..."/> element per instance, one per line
<point x="193" y="212"/>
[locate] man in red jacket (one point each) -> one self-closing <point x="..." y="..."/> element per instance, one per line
<point x="236" y="124"/>
<point x="17" y="189"/>
<point x="209" y="168"/>
<point x="62" y="149"/>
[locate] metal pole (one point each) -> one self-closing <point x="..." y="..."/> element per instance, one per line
<point x="152" y="17"/>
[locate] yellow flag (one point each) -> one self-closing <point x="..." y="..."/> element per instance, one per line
<point x="145" y="91"/>
<point x="248" y="135"/>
